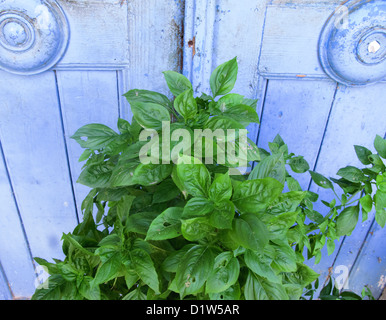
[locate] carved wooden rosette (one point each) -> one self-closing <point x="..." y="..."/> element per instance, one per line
<point x="33" y="35"/>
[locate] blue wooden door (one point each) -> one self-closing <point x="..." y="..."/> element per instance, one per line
<point x="67" y="63"/>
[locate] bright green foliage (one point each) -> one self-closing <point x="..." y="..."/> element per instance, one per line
<point x="189" y="229"/>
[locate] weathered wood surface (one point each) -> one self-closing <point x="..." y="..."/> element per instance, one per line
<point x="119" y="45"/>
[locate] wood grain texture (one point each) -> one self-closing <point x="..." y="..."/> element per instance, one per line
<point x="357" y="116"/>
<point x="33" y="145"/>
<point x="5" y="292"/>
<point x="297" y="111"/>
<point x="86" y="97"/>
<point x="15" y="255"/>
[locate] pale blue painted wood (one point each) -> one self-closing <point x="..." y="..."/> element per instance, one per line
<point x="105" y="58"/>
<point x="5" y="292"/>
<point x="33" y="144"/>
<point x="15" y="255"/>
<point x="298" y="111"/>
<point x="357" y="116"/>
<point x="86" y="97"/>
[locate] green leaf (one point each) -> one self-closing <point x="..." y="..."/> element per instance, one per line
<point x="144" y="267"/>
<point x="221" y="188"/>
<point x="150" y="115"/>
<point x="195" y="178"/>
<point x="299" y="164"/>
<point x="177" y="82"/>
<point x="140" y="222"/>
<point x="58" y="289"/>
<point x="94" y="136"/>
<point x="254" y="196"/>
<point x="287" y="202"/>
<point x="222" y="215"/>
<point x="260" y="264"/>
<point x="330" y="246"/>
<point x="278" y="225"/>
<point x="380" y="146"/>
<point x="166" y="226"/>
<point x="224" y="274"/>
<point x="145" y="96"/>
<point x="110" y="267"/>
<point x="223" y="123"/>
<point x="166" y="191"/>
<point x="186" y="105"/>
<point x="171" y="262"/>
<point x="352" y="174"/>
<point x="380" y="205"/>
<point x="136" y="294"/>
<point x="96" y="175"/>
<point x="250" y="232"/>
<point x="122" y="174"/>
<point x="232" y="293"/>
<point x="151" y="174"/>
<point x="197" y="206"/>
<point x="87" y="290"/>
<point x="347" y="220"/>
<point x="285" y="259"/>
<point x="321" y="180"/>
<point x="223" y="78"/>
<point x="240" y="112"/>
<point x="363" y="154"/>
<point x="193" y="270"/>
<point x="196" y="228"/>
<point x="258" y="288"/>
<point x="272" y="166"/>
<point x="366" y="202"/>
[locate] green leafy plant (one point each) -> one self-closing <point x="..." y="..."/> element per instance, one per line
<point x="180" y="230"/>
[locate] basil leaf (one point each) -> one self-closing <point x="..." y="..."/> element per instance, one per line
<point x="94" y="136"/>
<point x="299" y="164"/>
<point x="197" y="206"/>
<point x="177" y="82"/>
<point x="96" y="175"/>
<point x="285" y="259"/>
<point x="195" y="228"/>
<point x="320" y="180"/>
<point x="261" y="265"/>
<point x="195" y="178"/>
<point x="380" y="146"/>
<point x="166" y="226"/>
<point x="111" y="265"/>
<point x="363" y="154"/>
<point x="222" y="215"/>
<point x="144" y="267"/>
<point x="250" y="232"/>
<point x="224" y="274"/>
<point x="255" y="195"/>
<point x="150" y="115"/>
<point x="347" y="220"/>
<point x="186" y="105"/>
<point x="122" y="175"/>
<point x="140" y="222"/>
<point x="221" y="188"/>
<point x="151" y="174"/>
<point x="194" y="270"/>
<point x="145" y="96"/>
<point x="352" y="174"/>
<point x="223" y="78"/>
<point x="232" y="293"/>
<point x="272" y="166"/>
<point x="258" y="288"/>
